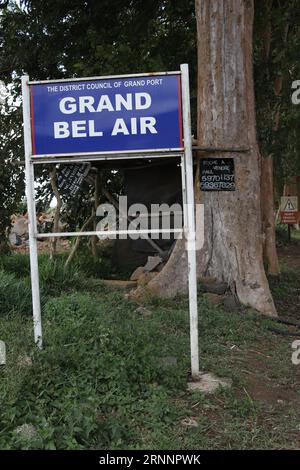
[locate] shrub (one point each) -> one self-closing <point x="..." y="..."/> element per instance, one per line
<point x="16" y="264"/>
<point x="15" y="294"/>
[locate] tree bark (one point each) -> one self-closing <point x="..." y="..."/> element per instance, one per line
<point x="233" y="249"/>
<point x="267" y="183"/>
<point x="268" y="216"/>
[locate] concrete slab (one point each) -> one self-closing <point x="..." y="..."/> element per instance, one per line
<point x="208" y="383"/>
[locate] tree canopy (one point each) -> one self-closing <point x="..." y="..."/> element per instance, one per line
<point x="277" y="65"/>
<point x="87" y="38"/>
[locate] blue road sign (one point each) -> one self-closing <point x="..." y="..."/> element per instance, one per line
<point x="106" y="115"/>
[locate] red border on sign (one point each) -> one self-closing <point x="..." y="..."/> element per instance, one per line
<point x="32" y="121"/>
<point x="179" y="111"/>
<point x="288" y="217"/>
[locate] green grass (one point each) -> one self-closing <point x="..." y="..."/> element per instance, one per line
<point x="53" y="274"/>
<point x="15" y="294"/>
<point x="286" y="286"/>
<point x="296" y="235"/>
<point x="101" y="383"/>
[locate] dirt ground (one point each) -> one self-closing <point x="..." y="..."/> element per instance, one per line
<point x="289" y="254"/>
<point x="261" y="385"/>
<point x="288" y="305"/>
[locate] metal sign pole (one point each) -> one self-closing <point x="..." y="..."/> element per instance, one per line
<point x="187" y="169"/>
<point x="32" y="229"/>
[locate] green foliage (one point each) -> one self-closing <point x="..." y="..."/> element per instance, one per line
<point x="286" y="286"/>
<point x="15" y="295"/>
<point x="87" y="38"/>
<point x="16" y="264"/>
<point x="94" y="38"/>
<point x="105" y="378"/>
<point x="101" y="381"/>
<point x="276" y="66"/>
<point x="11" y="172"/>
<point x="53" y="278"/>
<point x="101" y="267"/>
<point x="98" y="38"/>
<point x="282" y="235"/>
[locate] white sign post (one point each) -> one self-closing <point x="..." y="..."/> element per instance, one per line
<point x="190" y="230"/>
<point x="32" y="227"/>
<point x="73" y="141"/>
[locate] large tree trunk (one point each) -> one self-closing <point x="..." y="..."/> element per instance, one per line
<point x="233" y="249"/>
<point x="267" y="184"/>
<point x="268" y="216"/>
